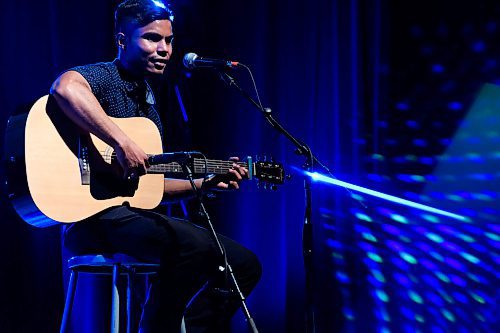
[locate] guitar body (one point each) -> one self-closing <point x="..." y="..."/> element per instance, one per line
<point x="57" y="173"/>
<point x="71" y="175"/>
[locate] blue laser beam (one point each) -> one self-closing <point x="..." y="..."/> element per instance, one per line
<point x="325" y="179"/>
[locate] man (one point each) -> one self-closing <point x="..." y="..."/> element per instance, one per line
<point x="187" y="256"/>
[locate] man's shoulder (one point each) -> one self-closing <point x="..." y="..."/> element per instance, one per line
<point x="97" y="69"/>
<point x="101" y="76"/>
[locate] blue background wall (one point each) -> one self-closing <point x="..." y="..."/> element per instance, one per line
<point x="389" y="95"/>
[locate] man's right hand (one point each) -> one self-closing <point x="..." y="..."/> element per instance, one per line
<point x="132" y="159"/>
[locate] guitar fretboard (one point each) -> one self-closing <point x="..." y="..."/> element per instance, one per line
<point x="199" y="166"/>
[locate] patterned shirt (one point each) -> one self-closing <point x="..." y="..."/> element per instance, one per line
<point x="119" y="94"/>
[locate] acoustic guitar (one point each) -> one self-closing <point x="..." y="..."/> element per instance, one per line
<point x="56" y="173"/>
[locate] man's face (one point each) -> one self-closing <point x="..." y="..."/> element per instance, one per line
<point x="148" y="48"/>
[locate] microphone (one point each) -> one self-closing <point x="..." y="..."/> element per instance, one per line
<point x="191" y="61"/>
<point x="165" y="158"/>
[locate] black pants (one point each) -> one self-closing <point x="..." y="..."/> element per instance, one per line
<point x="188" y="260"/>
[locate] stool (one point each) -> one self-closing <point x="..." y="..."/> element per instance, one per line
<point x="114" y="265"/>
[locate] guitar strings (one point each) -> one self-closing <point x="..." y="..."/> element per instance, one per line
<point x="200" y="165"/>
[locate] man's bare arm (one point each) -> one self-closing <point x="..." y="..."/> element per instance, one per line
<point x="74" y="95"/>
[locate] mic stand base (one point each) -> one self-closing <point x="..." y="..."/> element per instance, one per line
<point x="226" y="266"/>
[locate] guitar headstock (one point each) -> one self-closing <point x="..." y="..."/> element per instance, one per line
<point x="269" y="172"/>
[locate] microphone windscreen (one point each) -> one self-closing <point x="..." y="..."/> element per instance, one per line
<point x="189" y="59"/>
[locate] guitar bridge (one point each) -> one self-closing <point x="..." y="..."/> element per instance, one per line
<point x="83" y="162"/>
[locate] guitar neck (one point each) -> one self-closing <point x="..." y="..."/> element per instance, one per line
<point x="199" y="167"/>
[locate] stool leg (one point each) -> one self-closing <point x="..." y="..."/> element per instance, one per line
<point x="115" y="300"/>
<point x="130" y="293"/>
<point x="68" y="305"/>
<point x="183" y="326"/>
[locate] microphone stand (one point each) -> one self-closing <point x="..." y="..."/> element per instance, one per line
<point x="189" y="174"/>
<point x="307" y="230"/>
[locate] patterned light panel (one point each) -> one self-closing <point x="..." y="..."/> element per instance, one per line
<point x="401" y="269"/>
<point x="425" y="272"/>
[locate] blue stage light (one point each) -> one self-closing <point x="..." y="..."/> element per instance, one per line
<point x="181" y="104"/>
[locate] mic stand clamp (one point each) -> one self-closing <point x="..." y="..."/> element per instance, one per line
<point x="213" y="235"/>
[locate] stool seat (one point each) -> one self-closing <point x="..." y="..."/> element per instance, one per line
<point x="103" y="264"/>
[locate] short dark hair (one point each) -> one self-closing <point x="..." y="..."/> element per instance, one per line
<point x="141" y="13"/>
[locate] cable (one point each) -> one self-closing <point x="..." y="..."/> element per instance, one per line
<point x="254" y="84"/>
